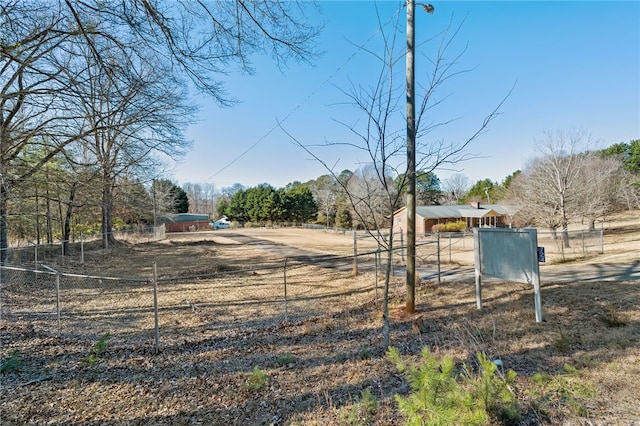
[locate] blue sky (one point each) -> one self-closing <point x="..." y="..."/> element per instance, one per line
<point x="574" y="64"/>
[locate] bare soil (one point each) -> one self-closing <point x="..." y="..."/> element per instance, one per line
<point x="216" y="329"/>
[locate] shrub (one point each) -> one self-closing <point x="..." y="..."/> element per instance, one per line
<point x="438" y="398"/>
<point x="286" y="359"/>
<point x="494" y="390"/>
<point x="12" y="363"/>
<point x="257" y="380"/>
<point x="365" y="352"/>
<point x="362" y="412"/>
<point x="98" y="349"/>
<point x="458" y="226"/>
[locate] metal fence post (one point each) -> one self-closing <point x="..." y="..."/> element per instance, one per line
<point x="155" y="308"/>
<point x="438" y="250"/>
<point x="355" y="254"/>
<point x="377" y="260"/>
<point x="58" y="300"/>
<point x="286" y="302"/>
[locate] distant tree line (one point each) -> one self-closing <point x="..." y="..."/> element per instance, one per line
<point x="61" y="202"/>
<point x="598" y="183"/>
<point x="264" y="203"/>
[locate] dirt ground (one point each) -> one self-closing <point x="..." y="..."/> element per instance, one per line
<point x="229" y="357"/>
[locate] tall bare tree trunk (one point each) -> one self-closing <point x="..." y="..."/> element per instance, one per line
<point x="4" y="242"/>
<point x="565" y="226"/>
<point x="66" y="229"/>
<point x="107" y="211"/>
<point x="49" y="225"/>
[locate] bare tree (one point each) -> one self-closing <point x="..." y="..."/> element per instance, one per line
<point x="629" y="191"/>
<point x="551" y="188"/>
<point x="202" y="197"/>
<point x="325" y="192"/>
<point x="378" y="189"/>
<point x="369" y="197"/>
<point x="454" y="188"/>
<point x="136" y="115"/>
<point x="601" y="182"/>
<point x="34" y="49"/>
<point x="203" y="40"/>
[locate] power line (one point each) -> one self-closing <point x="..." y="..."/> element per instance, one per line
<point x="358" y="49"/>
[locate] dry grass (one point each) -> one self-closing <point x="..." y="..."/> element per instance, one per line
<point x="216" y="330"/>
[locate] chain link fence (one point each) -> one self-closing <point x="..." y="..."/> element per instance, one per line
<point x="146" y="312"/>
<point x="457" y="247"/>
<point x="28" y="253"/>
<point x="78" y="307"/>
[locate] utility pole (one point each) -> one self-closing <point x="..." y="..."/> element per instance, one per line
<point x="410" y="301"/>
<point x="153" y="190"/>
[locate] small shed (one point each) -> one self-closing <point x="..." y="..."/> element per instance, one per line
<point x="185" y="222"/>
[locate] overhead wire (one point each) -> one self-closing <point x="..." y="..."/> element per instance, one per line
<point x="279" y="123"/>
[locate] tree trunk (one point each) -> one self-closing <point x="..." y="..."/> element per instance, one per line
<point x="565" y="225"/>
<point x="4" y="242"/>
<point x="386" y="328"/>
<point x="49" y="225"/>
<point x="61" y="221"/>
<point x="107" y="211"/>
<point x="37" y="221"/>
<point x="66" y="230"/>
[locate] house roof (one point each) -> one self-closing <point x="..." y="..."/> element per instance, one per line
<point x="438" y="212"/>
<point x="184" y="217"/>
<point x="462" y="211"/>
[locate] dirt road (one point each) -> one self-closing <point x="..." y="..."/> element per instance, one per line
<point x="568" y="272"/>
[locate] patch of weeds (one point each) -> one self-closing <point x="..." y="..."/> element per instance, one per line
<point x="438" y="398"/>
<point x="362" y="412"/>
<point x="286" y="359"/>
<point x="342" y="357"/>
<point x="562" y="344"/>
<point x="257" y="380"/>
<point x="585" y="360"/>
<point x="365" y="352"/>
<point x="565" y="389"/>
<point x="13" y="362"/>
<point x="98" y="349"/>
<point x="611" y="317"/>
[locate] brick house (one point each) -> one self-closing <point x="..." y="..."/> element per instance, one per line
<point x="475" y="215"/>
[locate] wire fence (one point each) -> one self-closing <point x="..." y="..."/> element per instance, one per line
<point x="32" y="253"/>
<point x="145" y="311"/>
<point x="457" y="247"/>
